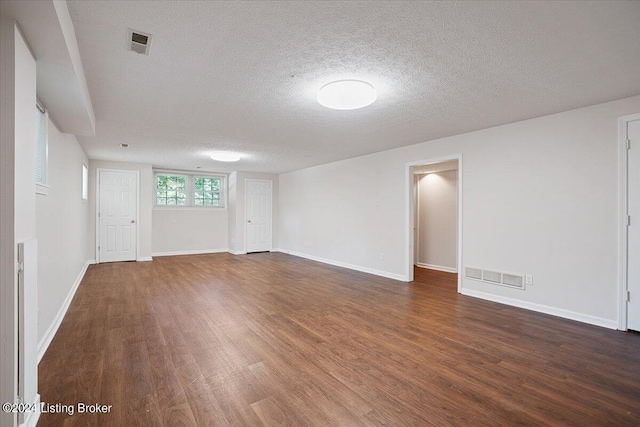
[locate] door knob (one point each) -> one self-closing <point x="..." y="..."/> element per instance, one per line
<point x="248" y="220"/>
<point x="133" y="221"/>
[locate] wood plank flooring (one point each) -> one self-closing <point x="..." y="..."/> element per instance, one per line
<point x="271" y="339"/>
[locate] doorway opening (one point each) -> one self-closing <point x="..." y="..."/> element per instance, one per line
<point x="434" y="205"/>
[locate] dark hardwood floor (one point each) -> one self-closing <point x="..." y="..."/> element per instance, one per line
<point x="217" y="340"/>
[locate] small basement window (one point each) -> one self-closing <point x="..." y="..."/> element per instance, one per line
<point x="184" y="190"/>
<point x="42" y="150"/>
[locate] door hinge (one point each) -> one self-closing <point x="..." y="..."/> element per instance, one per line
<point x="628" y="296"/>
<point x="98" y="248"/>
<point x="19" y="400"/>
<point x="628" y="144"/>
<point x="628" y="220"/>
<point x="98" y="214"/>
<point x="20" y="266"/>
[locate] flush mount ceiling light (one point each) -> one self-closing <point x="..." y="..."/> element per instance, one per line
<point x="347" y="95"/>
<point x="224" y="156"/>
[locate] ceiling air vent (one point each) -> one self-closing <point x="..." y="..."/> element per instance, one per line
<point x="138" y="41"/>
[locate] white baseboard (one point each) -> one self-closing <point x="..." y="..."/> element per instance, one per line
<point x="540" y="308"/>
<point x="144" y="258"/>
<point x="386" y="274"/>
<point x="53" y="328"/>
<point x="31" y="418"/>
<point x="231" y="251"/>
<point x="437" y="267"/>
<point x="195" y="252"/>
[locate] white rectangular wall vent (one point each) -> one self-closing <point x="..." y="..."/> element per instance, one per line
<point x="513" y="280"/>
<point x="473" y="273"/>
<point x="491" y="276"/>
<point x="138" y="42"/>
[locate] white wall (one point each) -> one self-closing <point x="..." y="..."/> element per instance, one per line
<point x="189" y="231"/>
<point x="62" y="220"/>
<point x="437" y="220"/>
<point x="8" y="294"/>
<point x="539" y="197"/>
<point x="236" y="208"/>
<point x="25" y="194"/>
<point x="17" y="191"/>
<point x="145" y="208"/>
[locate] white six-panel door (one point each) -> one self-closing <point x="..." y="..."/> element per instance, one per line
<point x="117" y="214"/>
<point x="633" y="230"/>
<point x="258" y="200"/>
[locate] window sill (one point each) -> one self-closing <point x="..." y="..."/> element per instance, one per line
<point x="42" y="189"/>
<point x="189" y="208"/>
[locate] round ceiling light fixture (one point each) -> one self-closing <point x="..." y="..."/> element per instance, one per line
<point x="347" y="95"/>
<point x="225" y="156"/>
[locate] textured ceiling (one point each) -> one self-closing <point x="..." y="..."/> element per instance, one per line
<point x="243" y="76"/>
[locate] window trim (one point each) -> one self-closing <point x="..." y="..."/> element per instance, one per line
<point x="190" y="189"/>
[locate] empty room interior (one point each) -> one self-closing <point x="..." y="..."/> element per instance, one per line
<point x="314" y="213"/>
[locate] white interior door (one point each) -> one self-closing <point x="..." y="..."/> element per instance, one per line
<point x="633" y="230"/>
<point x="258" y="199"/>
<point x="117" y="215"/>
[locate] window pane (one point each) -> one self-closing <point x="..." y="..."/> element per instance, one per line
<point x="85" y="182"/>
<point x="171" y="190"/>
<point x="161" y="182"/>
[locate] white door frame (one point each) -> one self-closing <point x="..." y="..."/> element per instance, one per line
<point x="410" y="210"/>
<point x="622" y="217"/>
<point x="246" y="195"/>
<point x="98" y="170"/>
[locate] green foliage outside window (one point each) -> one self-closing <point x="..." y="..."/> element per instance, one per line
<point x="207" y="192"/>
<point x="188" y="190"/>
<point x="171" y="190"/>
